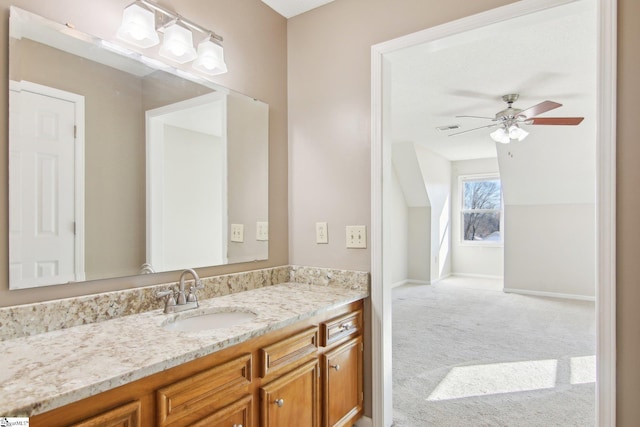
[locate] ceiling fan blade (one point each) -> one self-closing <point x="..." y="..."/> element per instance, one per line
<point x="479" y="117"/>
<point x="538" y="109"/>
<point x="471" y="130"/>
<point x="566" y="121"/>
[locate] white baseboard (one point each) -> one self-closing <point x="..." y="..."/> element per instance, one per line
<point x="549" y="294"/>
<point x="477" y="276"/>
<point x="364" y="422"/>
<point x="410" y="282"/>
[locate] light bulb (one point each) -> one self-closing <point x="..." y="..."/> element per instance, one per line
<point x="500" y="135"/>
<point x="178" y="44"/>
<point x="138" y="26"/>
<point x="210" y="58"/>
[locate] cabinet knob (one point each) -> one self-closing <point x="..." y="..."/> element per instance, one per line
<point x="345" y="327"/>
<point x="237" y="425"/>
<point x="279" y="402"/>
<point x="336" y="367"/>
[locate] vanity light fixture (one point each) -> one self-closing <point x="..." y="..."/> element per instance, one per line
<point x="138" y="26"/>
<point x="177" y="44"/>
<point x="143" y="20"/>
<point x="210" y="57"/>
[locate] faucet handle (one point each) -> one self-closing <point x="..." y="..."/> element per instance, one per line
<point x="170" y="301"/>
<point x="160" y="294"/>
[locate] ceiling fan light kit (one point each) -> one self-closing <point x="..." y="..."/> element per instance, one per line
<point x="510" y="119"/>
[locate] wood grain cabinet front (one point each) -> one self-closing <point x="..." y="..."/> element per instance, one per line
<point x="128" y="415"/>
<point x="238" y="414"/>
<point x="343" y="383"/>
<point x="292" y="399"/>
<point x="199" y="396"/>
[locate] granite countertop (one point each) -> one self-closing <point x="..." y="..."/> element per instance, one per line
<point x="45" y="371"/>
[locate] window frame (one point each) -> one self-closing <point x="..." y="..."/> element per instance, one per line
<point x="461" y="192"/>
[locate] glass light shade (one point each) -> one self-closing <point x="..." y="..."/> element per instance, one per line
<point x="500" y="135"/>
<point x="516" y="132"/>
<point x="178" y="44"/>
<point x="210" y="58"/>
<point x="138" y="26"/>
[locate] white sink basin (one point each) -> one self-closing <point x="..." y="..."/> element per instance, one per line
<point x="208" y="321"/>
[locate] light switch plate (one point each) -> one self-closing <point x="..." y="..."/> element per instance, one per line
<point x="237" y="233"/>
<point x="262" y="231"/>
<point x="322" y="232"/>
<point x="356" y="236"/>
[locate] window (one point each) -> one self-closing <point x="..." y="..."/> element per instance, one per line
<point x="481" y="214"/>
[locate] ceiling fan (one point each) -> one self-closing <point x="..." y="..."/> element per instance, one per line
<point x="510" y="119"/>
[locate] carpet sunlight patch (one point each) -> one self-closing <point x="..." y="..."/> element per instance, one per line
<point x="583" y="370"/>
<point x="480" y="380"/>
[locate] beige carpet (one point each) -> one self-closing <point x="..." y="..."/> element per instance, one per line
<point x="467" y="354"/>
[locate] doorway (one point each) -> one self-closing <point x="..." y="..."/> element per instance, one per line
<point x="605" y="257"/>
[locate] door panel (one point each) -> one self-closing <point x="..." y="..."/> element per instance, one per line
<point x="42" y="191"/>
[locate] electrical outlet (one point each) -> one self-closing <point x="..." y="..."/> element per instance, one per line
<point x="322" y="232"/>
<point x="356" y="236"/>
<point x="262" y="231"/>
<point x="237" y="233"/>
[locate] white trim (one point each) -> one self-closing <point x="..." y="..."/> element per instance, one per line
<point x="410" y="282"/>
<point x="154" y="149"/>
<point x="606" y="215"/>
<point x="477" y="276"/>
<point x="606" y="187"/>
<point x="548" y="294"/>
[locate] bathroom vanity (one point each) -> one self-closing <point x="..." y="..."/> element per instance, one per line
<point x="299" y="361"/>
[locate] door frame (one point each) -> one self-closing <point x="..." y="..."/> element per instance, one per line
<point x="382" y="404"/>
<point x="154" y="143"/>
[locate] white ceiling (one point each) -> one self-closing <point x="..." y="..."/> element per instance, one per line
<point x="549" y="55"/>
<point x="290" y="8"/>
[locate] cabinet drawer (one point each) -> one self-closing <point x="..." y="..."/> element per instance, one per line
<point x="238" y="414"/>
<point x="289" y="352"/>
<point x="201" y="395"/>
<point x="123" y="416"/>
<point x="340" y="327"/>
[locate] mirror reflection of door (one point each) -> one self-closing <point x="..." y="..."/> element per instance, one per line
<point x="187" y="183"/>
<point x="45" y="187"/>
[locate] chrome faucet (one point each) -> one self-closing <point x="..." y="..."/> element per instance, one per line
<point x="179" y="300"/>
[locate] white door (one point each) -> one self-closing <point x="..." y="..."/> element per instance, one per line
<point x="42" y="247"/>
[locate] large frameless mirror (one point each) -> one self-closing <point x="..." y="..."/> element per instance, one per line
<point x="120" y="165"/>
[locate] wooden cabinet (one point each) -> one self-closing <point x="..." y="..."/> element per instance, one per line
<point x="343" y="383"/>
<point x="292" y="399"/>
<point x="201" y="396"/>
<point x="288" y="377"/>
<point x="127" y="415"/>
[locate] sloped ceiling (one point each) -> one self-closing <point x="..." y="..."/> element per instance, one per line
<point x="549" y="55"/>
<point x="291" y="8"/>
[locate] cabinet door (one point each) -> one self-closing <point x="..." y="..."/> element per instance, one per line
<point x="198" y="396"/>
<point x="292" y="399"/>
<point x="238" y="414"/>
<point x="343" y="383"/>
<point x="123" y="416"/>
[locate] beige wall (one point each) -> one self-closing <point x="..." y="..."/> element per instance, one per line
<point x="329" y="54"/>
<point x="329" y="138"/>
<point x="628" y="206"/>
<point x="255" y="51"/>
